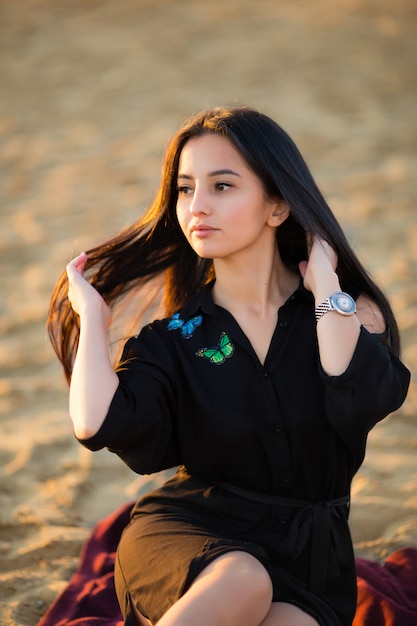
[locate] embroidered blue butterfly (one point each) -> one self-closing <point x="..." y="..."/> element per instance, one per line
<point x="218" y="354"/>
<point x="187" y="327"/>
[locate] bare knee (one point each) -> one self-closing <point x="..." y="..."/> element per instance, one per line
<point x="251" y="576"/>
<point x="243" y="580"/>
<point x="234" y="589"/>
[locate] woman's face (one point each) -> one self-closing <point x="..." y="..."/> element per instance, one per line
<point x="222" y="207"/>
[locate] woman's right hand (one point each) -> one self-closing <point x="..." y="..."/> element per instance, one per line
<point x="93" y="381"/>
<point x="84" y="298"/>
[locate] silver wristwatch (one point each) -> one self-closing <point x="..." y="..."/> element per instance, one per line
<point x="340" y="302"/>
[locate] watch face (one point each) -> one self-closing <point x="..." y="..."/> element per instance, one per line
<point x="344" y="303"/>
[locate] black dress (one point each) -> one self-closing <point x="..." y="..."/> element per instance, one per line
<point x="266" y="454"/>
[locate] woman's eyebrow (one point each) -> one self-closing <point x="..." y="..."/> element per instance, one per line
<point x="211" y="174"/>
<point x="222" y="172"/>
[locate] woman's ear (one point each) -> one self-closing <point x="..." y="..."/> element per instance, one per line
<point x="279" y="213"/>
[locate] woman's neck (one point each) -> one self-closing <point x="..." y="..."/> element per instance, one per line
<point x="253" y="287"/>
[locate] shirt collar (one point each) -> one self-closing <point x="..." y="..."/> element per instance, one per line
<point x="203" y="301"/>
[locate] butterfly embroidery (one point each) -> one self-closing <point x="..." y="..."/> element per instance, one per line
<point x="187" y="327"/>
<point x="218" y="354"/>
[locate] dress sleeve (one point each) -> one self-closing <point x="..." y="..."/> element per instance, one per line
<point x="374" y="385"/>
<point x="138" y="426"/>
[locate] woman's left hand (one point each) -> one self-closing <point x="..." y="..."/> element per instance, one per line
<point x="320" y="267"/>
<point x="337" y="334"/>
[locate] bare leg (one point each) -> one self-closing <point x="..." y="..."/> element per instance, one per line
<point x="234" y="589"/>
<point x="140" y="619"/>
<point x="284" y="614"/>
<point x="220" y="596"/>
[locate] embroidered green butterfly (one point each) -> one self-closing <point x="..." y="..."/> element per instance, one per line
<point x="218" y="354"/>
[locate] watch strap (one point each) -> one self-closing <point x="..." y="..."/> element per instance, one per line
<point x="322" y="308"/>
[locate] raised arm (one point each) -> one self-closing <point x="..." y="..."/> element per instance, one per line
<point x="93" y="382"/>
<point x="337" y="334"/>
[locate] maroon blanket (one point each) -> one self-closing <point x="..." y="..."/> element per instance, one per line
<point x="387" y="595"/>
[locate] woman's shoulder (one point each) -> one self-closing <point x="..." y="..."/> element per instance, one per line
<point x="185" y="321"/>
<point x="189" y="317"/>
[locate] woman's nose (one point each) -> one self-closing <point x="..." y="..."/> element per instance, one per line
<point x="200" y="203"/>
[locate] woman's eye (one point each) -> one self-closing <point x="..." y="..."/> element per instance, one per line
<point x="223" y="186"/>
<point x="184" y="190"/>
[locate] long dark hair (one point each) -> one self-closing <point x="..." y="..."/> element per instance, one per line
<point x="155" y="246"/>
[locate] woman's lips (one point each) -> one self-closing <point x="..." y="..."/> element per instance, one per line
<point x="202" y="230"/>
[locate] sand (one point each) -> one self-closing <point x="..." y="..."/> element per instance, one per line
<point x="90" y="91"/>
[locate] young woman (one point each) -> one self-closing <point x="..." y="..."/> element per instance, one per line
<point x="276" y="356"/>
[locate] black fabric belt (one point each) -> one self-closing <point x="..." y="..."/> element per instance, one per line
<point x="319" y="516"/>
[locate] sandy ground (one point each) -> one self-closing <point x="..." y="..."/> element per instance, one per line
<point x="90" y="91"/>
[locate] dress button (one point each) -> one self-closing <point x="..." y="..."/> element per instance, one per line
<point x="265" y="375"/>
<point x="282" y="519"/>
<point x="283" y="323"/>
<point x="278" y="428"/>
<point x="285" y="481"/>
